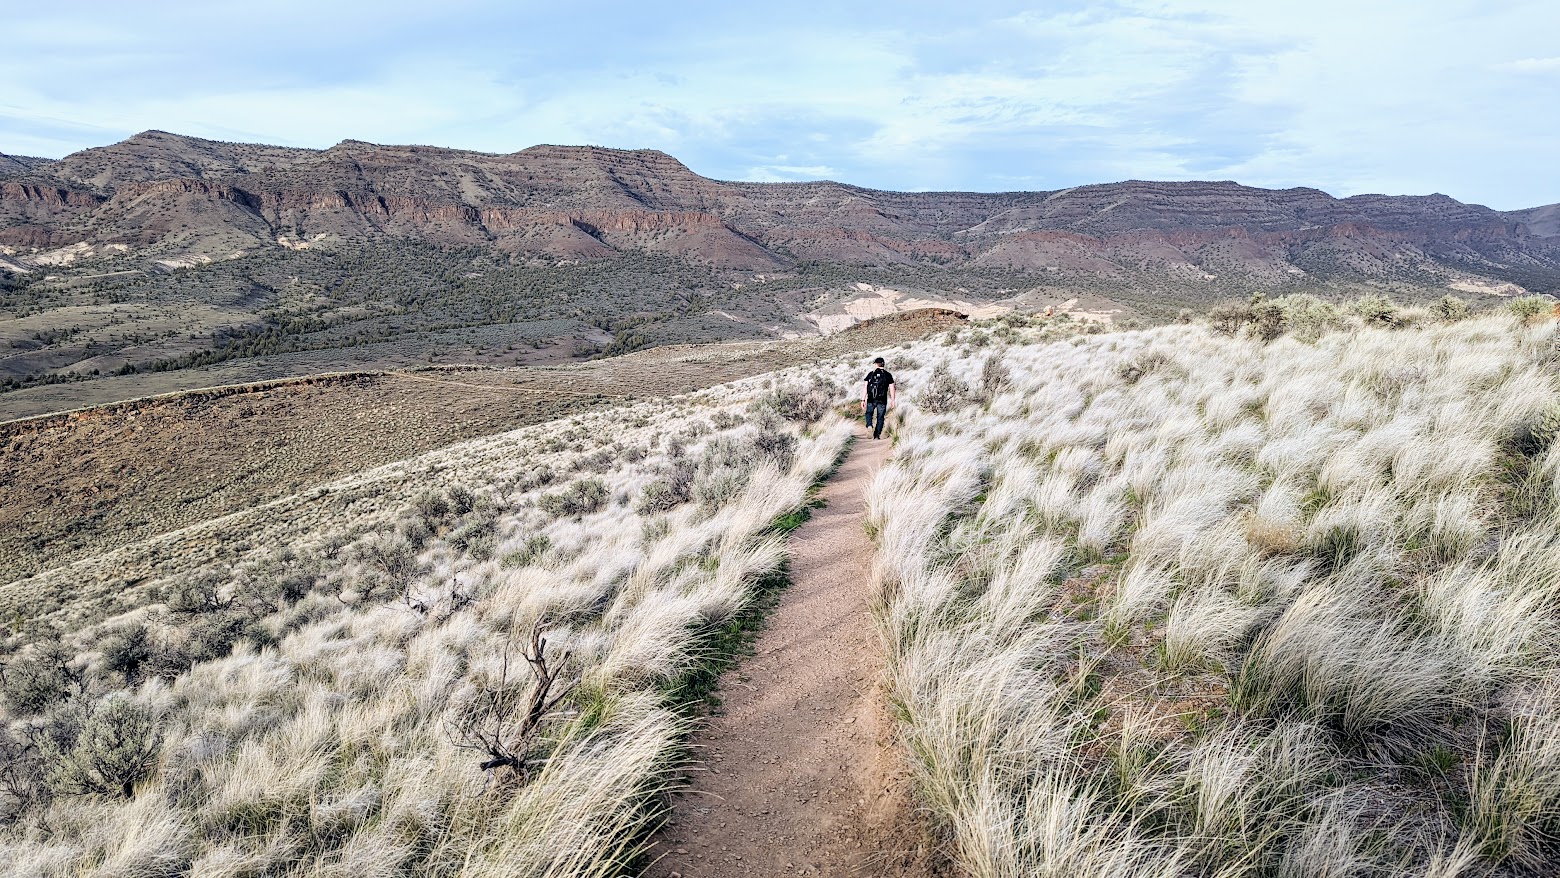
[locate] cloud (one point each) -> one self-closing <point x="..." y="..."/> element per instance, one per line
<point x="1534" y="65"/>
<point x="1396" y="96"/>
<point x="789" y="173"/>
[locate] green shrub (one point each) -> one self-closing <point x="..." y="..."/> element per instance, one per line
<point x="527" y="554"/>
<point x="103" y="748"/>
<point x="431" y="505"/>
<point x="804" y="405"/>
<point x="125" y="650"/>
<point x="198" y="594"/>
<point x="775" y="444"/>
<point x="1450" y="308"/>
<point x="477" y="534"/>
<point x="1530" y="308"/>
<point x="461" y="500"/>
<point x="1229" y="318"/>
<point x="1268" y="319"/>
<point x="1376" y="310"/>
<point x="1306" y="317"/>
<point x="668" y="492"/>
<point x="580" y="497"/>
<point x="995" y="377"/>
<point x="719" y="486"/>
<point x="33" y="683"/>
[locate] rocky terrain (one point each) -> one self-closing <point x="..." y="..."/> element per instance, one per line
<point x="165" y="253"/>
<point x="191" y="195"/>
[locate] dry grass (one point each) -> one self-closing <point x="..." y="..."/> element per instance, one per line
<point x="312" y="708"/>
<point x="1174" y="602"/>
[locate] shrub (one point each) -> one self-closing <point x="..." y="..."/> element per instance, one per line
<point x="477" y="534"/>
<point x="1306" y="317"/>
<point x="777" y="446"/>
<point x="31" y="684"/>
<point x="723" y="471"/>
<point x="720" y="486"/>
<point x="1268" y="319"/>
<point x="943" y="392"/>
<point x="1376" y="310"/>
<point x="529" y="553"/>
<point x="668" y="492"/>
<point x="431" y="505"/>
<point x="580" y="497"/>
<point x="461" y="500"/>
<point x="126" y="650"/>
<point x="597" y="462"/>
<point x="1132" y="371"/>
<point x="197" y="594"/>
<point x="1450" y="308"/>
<point x="389" y="555"/>
<point x="1530" y="308"/>
<point x="100" y="748"/>
<point x="1230" y="317"/>
<point x="994" y="377"/>
<point x="799" y="404"/>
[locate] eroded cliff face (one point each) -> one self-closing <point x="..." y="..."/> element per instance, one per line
<point x="586" y="202"/>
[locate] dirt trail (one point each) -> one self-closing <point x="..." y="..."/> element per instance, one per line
<point x="799" y="775"/>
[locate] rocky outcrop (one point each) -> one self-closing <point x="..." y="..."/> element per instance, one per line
<point x="47" y="196"/>
<point x="585" y="202"/>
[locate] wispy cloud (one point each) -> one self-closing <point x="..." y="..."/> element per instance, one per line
<point x="789" y="173"/>
<point x="1534" y="65"/>
<point x="1398" y="96"/>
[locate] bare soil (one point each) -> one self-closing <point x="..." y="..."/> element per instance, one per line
<point x="798" y="774"/>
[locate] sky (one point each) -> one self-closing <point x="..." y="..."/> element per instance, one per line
<point x="1348" y="96"/>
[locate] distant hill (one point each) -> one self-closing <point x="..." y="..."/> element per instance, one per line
<point x="16" y="164"/>
<point x="1539" y="220"/>
<point x="207" y="197"/>
<point x="166" y="252"/>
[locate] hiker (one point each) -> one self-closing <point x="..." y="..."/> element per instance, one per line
<point x="877" y="396"/>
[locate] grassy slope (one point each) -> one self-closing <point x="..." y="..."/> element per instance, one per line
<point x="1172" y="602"/>
<point x="318" y="704"/>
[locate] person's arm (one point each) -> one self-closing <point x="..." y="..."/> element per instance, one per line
<point x="893" y="392"/>
<point x="864" y="386"/>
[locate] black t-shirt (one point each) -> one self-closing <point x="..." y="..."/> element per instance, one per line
<point x="877" y="385"/>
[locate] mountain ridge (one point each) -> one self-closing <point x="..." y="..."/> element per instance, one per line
<point x="167" y="252"/>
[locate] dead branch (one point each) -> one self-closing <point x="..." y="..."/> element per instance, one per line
<point x="505" y="728"/>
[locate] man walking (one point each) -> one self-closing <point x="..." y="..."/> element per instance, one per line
<point x="878" y="395"/>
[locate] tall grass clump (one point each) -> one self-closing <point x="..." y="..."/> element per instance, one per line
<point x="1271" y="595"/>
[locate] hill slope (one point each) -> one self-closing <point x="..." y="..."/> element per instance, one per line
<point x="1179" y="603"/>
<point x="164" y="252"/>
<point x="199" y="196"/>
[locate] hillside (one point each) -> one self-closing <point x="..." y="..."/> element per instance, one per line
<point x="1186" y="602"/>
<point x="78" y="484"/>
<point x="362" y="704"/>
<point x="1201" y="599"/>
<point x="164" y="253"/>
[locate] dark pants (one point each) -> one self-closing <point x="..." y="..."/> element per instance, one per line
<point x="878" y="410"/>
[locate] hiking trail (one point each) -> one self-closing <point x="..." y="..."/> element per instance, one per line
<point x="798" y="773"/>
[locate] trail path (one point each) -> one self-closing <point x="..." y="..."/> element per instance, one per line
<point x="799" y="775"/>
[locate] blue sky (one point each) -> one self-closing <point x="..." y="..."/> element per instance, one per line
<point x="1357" y="96"/>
